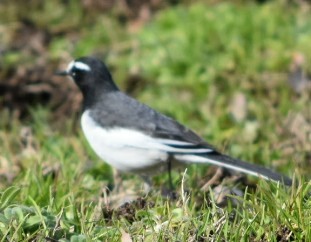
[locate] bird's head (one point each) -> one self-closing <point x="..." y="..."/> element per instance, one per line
<point x="91" y="75"/>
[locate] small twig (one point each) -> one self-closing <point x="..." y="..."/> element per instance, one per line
<point x="213" y="180"/>
<point x="183" y="197"/>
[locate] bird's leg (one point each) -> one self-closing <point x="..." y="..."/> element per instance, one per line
<point x="169" y="170"/>
<point x="170" y="193"/>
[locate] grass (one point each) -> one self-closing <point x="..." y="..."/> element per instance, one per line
<point x="197" y="62"/>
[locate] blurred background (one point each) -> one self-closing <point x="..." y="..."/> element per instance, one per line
<point x="237" y="72"/>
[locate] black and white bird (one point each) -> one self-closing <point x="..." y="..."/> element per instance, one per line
<point x="133" y="137"/>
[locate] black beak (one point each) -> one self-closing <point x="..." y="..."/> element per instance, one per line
<point x="62" y="73"/>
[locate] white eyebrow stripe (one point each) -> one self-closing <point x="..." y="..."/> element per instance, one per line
<point x="81" y="66"/>
<point x="70" y="65"/>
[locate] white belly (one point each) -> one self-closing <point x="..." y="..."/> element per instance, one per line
<point x="124" y="149"/>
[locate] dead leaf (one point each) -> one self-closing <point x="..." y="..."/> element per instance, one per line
<point x="238" y="107"/>
<point x="298" y="78"/>
<point x="125" y="237"/>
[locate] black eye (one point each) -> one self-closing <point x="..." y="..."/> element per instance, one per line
<point x="75" y="71"/>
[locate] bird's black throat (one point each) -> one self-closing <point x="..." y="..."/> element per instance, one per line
<point x="95" y="93"/>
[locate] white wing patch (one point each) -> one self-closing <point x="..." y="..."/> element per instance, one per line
<point x="174" y="142"/>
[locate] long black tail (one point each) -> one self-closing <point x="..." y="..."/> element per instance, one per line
<point x="225" y="161"/>
<point x="249" y="168"/>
